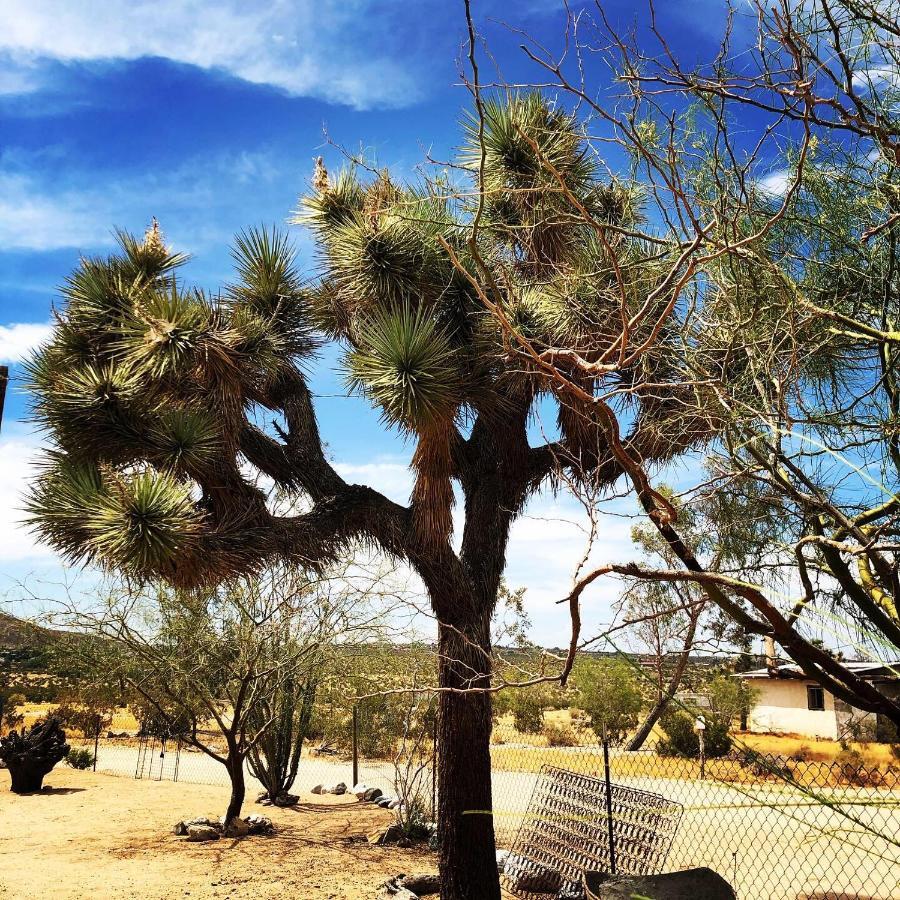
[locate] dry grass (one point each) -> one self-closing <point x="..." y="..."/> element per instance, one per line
<point x="815" y="749"/>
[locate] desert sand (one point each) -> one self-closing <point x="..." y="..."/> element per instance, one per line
<point x="99" y="836"/>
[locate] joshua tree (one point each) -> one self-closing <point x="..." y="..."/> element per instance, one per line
<point x="30" y="754"/>
<point x="152" y="393"/>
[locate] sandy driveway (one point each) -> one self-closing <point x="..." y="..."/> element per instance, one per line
<point x="100" y="836"/>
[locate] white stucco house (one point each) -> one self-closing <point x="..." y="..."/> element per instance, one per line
<point x="788" y="702"/>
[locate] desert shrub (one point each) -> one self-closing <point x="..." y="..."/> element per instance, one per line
<point x="528" y="713"/>
<point x="852" y="768"/>
<point x="610" y="693"/>
<point x="578" y="717"/>
<point x="88" y="720"/>
<point x="560" y="735"/>
<point x="681" y="739"/>
<point x="802" y="754"/>
<point x="383" y="720"/>
<point x="762" y="766"/>
<point x="731" y="698"/>
<point x="79" y="758"/>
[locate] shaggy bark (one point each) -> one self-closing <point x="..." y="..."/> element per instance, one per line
<point x="468" y="862"/>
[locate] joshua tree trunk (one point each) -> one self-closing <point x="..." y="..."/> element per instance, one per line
<point x="30" y="755"/>
<point x="468" y="860"/>
<point x="235" y="766"/>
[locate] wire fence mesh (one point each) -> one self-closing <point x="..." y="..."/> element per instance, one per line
<point x="777" y="827"/>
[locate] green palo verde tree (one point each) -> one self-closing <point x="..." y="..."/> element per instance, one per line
<point x="151" y="391"/>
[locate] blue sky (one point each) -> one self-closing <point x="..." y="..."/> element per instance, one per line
<point x="208" y="116"/>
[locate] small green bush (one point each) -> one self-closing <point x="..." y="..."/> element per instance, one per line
<point x="682" y="740"/>
<point x="528" y="718"/>
<point x="79" y="758"/>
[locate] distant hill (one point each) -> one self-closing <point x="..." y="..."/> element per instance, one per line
<point x="18" y="634"/>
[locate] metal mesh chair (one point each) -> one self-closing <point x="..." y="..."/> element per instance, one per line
<point x="566" y="831"/>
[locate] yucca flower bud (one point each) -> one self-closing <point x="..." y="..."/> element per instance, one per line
<point x="153" y="239"/>
<point x="320" y="181"/>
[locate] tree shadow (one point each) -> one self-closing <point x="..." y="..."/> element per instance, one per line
<point x="52" y="790"/>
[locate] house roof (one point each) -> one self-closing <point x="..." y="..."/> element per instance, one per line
<point x="865" y="670"/>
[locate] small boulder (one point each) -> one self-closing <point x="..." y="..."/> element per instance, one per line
<point x="339" y="788"/>
<point x="389" y="835"/>
<point x="372" y="794"/>
<point x="384" y="802"/>
<point x="394" y="804"/>
<point x="259" y="825"/>
<point x="421" y="885"/>
<point x="359" y="790"/>
<point x="237" y="828"/>
<point x="286" y="799"/>
<point x="390" y="890"/>
<point x="319" y="789"/>
<point x="685" y="885"/>
<point x="199" y="833"/>
<point x="181" y="828"/>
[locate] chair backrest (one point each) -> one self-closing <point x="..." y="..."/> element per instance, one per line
<point x="566" y="831"/>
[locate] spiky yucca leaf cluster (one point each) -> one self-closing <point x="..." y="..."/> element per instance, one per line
<point x="420" y="342"/>
<point x="144" y="389"/>
<point x="388" y="282"/>
<point x="148" y="388"/>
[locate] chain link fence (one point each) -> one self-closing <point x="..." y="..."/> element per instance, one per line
<point x="777" y="827"/>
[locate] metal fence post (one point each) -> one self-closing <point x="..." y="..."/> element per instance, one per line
<point x="355" y="749"/>
<point x="96" y="742"/>
<point x="609" y="812"/>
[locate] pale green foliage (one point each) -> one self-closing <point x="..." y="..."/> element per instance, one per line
<point x="609" y="691"/>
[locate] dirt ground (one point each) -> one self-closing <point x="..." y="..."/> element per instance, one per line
<point x="99" y="836"/>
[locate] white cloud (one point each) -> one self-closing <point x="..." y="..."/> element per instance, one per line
<point x="775" y="184"/>
<point x="19" y="455"/>
<point x="876" y="78"/>
<point x="32" y="220"/>
<point x="19" y="77"/>
<point x="392" y="477"/>
<point x="337" y="50"/>
<point x="18" y="340"/>
<point x="38" y="212"/>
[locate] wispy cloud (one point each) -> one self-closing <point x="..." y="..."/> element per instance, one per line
<point x="39" y="212"/>
<point x="339" y="51"/>
<point x="18" y="340"/>
<point x="876" y="79"/>
<point x="20" y="456"/>
<point x="775" y="184"/>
